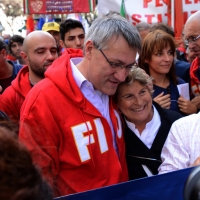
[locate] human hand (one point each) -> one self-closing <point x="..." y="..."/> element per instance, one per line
<point x="196" y="162"/>
<point x="196" y="101"/>
<point x="163" y="100"/>
<point x="186" y="106"/>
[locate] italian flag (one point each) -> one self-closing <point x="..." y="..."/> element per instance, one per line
<point x="122" y="9"/>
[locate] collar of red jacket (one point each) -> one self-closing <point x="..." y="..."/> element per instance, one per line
<point x="193" y="70"/>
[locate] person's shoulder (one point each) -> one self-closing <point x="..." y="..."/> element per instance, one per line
<point x="189" y="120"/>
<point x="16" y="67"/>
<point x="180" y="80"/>
<point x="173" y="115"/>
<point x="42" y="91"/>
<point x="44" y="85"/>
<point x="170" y="115"/>
<point x="181" y="63"/>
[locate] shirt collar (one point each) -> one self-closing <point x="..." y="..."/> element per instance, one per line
<point x="78" y="76"/>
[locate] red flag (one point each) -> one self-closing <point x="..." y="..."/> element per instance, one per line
<point x="29" y="24"/>
<point x="179" y="18"/>
<point x="168" y="3"/>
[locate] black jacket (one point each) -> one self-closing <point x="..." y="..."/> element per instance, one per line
<point x="138" y="154"/>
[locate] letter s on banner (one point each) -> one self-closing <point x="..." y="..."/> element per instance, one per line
<point x="135" y="18"/>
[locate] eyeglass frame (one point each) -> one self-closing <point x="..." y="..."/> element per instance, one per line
<point x="192" y="40"/>
<point x="116" y="65"/>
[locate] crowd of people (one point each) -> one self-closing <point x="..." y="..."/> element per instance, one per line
<point x="80" y="111"/>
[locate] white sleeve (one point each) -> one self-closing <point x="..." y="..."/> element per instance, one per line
<point x="175" y="152"/>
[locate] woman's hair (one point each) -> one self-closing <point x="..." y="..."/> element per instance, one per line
<point x="139" y="75"/>
<point x="157" y="41"/>
<point x="19" y="177"/>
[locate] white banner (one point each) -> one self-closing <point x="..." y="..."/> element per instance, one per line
<point x="150" y="11"/>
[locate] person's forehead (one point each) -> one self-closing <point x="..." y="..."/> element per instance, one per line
<point x="192" y="28"/>
<point x="75" y="32"/>
<point x="133" y="87"/>
<point x="6" y="36"/>
<point x="116" y="46"/>
<point x="42" y="42"/>
<point x="15" y="44"/>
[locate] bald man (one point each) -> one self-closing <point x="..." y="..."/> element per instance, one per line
<point x="192" y="38"/>
<point x="39" y="51"/>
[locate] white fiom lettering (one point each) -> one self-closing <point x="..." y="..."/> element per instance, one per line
<point x="82" y="141"/>
<point x="101" y="135"/>
<point x="119" y="131"/>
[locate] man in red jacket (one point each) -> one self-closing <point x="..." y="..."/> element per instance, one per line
<point x="39" y="51"/>
<point x="192" y="36"/>
<point x="68" y="121"/>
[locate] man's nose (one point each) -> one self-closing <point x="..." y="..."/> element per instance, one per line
<point x="18" y="46"/>
<point x="191" y="45"/>
<point x="121" y="74"/>
<point x="50" y="56"/>
<point x="138" y="101"/>
<point x="78" y="41"/>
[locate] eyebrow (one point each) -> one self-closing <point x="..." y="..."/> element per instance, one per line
<point x="17" y="43"/>
<point x="72" y="36"/>
<point x="43" y="48"/>
<point x="120" y="62"/>
<point x="83" y="34"/>
<point x="127" y="94"/>
<point x="144" y="88"/>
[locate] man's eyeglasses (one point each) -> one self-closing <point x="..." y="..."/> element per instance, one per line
<point x="116" y="65"/>
<point x="191" y="40"/>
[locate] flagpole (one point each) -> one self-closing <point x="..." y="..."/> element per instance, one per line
<point x="172" y="14"/>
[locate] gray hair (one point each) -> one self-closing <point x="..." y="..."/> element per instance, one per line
<point x="106" y="28"/>
<point x="143" y="26"/>
<point x="139" y="75"/>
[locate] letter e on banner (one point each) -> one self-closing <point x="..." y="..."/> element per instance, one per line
<point x="158" y="3"/>
<point x="145" y="3"/>
<point x="188" y="2"/>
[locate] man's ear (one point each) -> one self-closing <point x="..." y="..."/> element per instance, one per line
<point x="146" y="61"/>
<point x="62" y="44"/>
<point x="4" y="53"/>
<point x="89" y="47"/>
<point x="24" y="56"/>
